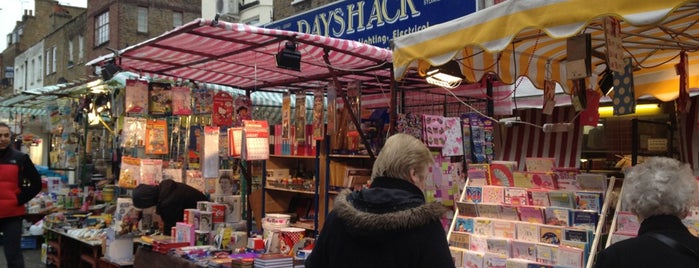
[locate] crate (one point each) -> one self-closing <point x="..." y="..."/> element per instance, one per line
<point x="29" y="242"/>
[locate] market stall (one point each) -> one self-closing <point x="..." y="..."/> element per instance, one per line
<point x="516" y="39"/>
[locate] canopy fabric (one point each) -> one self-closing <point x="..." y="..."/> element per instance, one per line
<point x="243" y="56"/>
<point x="528" y="38"/>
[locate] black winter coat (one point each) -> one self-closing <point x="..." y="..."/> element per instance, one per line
<point x="388" y="225"/>
<point x="173" y="198"/>
<point x="646" y="251"/>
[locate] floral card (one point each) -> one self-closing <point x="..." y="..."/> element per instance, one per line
<point x="434" y="131"/>
<point x="454" y="145"/>
<point x="181" y="100"/>
<point x="136" y="96"/>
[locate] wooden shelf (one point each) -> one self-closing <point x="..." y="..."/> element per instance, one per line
<point x="303" y="225"/>
<point x="350" y="156"/>
<point x="271" y="188"/>
<point x="293" y="156"/>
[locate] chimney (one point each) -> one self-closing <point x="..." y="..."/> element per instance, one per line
<point x="30" y="13"/>
<point x="26" y="12"/>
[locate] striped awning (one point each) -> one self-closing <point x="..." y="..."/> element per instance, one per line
<point x="528" y="38"/>
<point x="243" y="56"/>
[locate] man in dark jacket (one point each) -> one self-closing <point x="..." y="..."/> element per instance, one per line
<point x="19" y="183"/>
<point x="389" y="224"/>
<point x="170" y="198"/>
<point x="659" y="192"/>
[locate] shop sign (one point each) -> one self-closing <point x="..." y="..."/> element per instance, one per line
<point x="9" y="72"/>
<point x="375" y="22"/>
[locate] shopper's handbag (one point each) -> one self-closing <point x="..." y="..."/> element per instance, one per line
<point x="672" y="243"/>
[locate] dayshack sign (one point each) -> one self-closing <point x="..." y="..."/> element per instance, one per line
<point x="374" y="22"/>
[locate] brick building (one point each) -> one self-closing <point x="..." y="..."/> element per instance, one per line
<point x="118" y="24"/>
<point x="48" y="16"/>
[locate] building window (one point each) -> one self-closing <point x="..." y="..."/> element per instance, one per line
<point x="48" y="62"/>
<point x="102" y="28"/>
<point x="142" y="19"/>
<point x="70" y="52"/>
<point x="81" y="46"/>
<point x="176" y="19"/>
<point x="38" y="70"/>
<point x="54" y="59"/>
<point x="31" y="72"/>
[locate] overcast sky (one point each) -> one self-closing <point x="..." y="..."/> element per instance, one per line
<point x="11" y="11"/>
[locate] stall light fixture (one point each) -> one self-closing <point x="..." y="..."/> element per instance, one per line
<point x="448" y="75"/>
<point x="641" y="109"/>
<point x="289" y="58"/>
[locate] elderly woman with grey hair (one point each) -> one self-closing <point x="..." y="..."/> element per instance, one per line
<point x="659" y="192"/>
<point x="389" y="224"/>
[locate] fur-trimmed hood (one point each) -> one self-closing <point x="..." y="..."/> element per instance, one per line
<point x="389" y="205"/>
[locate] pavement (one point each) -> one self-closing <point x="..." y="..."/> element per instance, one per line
<point x="32" y="258"/>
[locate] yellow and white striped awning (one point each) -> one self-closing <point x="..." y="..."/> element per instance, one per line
<point x="528" y="38"/>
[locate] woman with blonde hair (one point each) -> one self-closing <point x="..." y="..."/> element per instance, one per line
<point x="659" y="192"/>
<point x="388" y="224"/>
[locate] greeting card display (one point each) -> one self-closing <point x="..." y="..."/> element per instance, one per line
<point x="318" y="115"/>
<point x="286" y="116"/>
<point x="156" y="137"/>
<point x="181" y="100"/>
<point x="134" y="132"/>
<point x="151" y="171"/>
<point x="130" y="172"/>
<point x="454" y="145"/>
<point x="223" y="109"/>
<point x="434" y="130"/>
<point x="235" y="141"/>
<point x="256" y="140"/>
<point x="136" y="96"/>
<point x="202" y="100"/>
<point x="300" y="117"/>
<point x="210" y="161"/>
<point x="159" y="98"/>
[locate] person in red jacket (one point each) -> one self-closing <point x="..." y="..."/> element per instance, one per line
<point x="19" y="183"/>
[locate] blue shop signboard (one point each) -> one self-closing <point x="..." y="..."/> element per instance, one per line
<point x="375" y="22"/>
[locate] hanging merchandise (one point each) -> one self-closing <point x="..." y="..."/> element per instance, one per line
<point x="130" y="172"/>
<point x="318" y="115"/>
<point x="235" y="141"/>
<point x="195" y="141"/>
<point x="682" y="68"/>
<point x="151" y="171"/>
<point x="549" y="97"/>
<point x="466" y="138"/>
<point x="410" y="124"/>
<point x="590" y="116"/>
<point x="243" y="109"/>
<point x="223" y="109"/>
<point x="136" y="96"/>
<point x="174" y="174"/>
<point x="195" y="179"/>
<point x="453" y="145"/>
<point x="202" y="99"/>
<point x="181" y="100"/>
<point x="209" y="153"/>
<point x="133" y="133"/>
<point x="482" y="136"/>
<point x="624" y="100"/>
<point x="159" y="98"/>
<point x="156" y="137"/>
<point x="286" y="116"/>
<point x="332" y="110"/>
<point x="613" y="42"/>
<point x="300" y="121"/>
<point x="256" y="140"/>
<point x="433" y="131"/>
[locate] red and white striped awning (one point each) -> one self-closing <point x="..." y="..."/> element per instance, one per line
<point x="243" y="56"/>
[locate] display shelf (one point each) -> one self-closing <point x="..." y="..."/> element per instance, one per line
<point x="350" y="156"/>
<point x="289" y="190"/>
<point x="499" y="222"/>
<point x="293" y="156"/>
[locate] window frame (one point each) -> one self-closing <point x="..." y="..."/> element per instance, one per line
<point x="142" y="19"/>
<point x="102" y="28"/>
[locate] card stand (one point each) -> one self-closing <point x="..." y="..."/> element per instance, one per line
<point x="458" y="239"/>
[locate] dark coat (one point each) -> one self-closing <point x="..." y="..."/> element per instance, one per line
<point x="170" y="199"/>
<point x="16" y="168"/>
<point x="646" y="251"/>
<point x="388" y="225"/>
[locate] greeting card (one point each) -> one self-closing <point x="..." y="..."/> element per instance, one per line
<point x="318" y="127"/>
<point x="136" y="97"/>
<point x="134" y="132"/>
<point x="202" y="99"/>
<point x="156" y="137"/>
<point x="539" y="164"/>
<point x="130" y="172"/>
<point x="159" y="98"/>
<point x="181" y="100"/>
<point x="434" y="130"/>
<point x="196" y="180"/>
<point x="151" y="171"/>
<point x="222" y="112"/>
<point x="528" y="232"/>
<point x="454" y="145"/>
